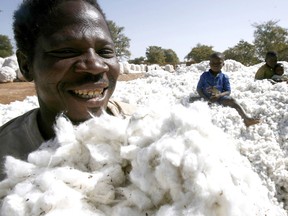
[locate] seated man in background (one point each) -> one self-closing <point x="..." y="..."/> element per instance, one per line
<point x="266" y="71"/>
<point x="67" y="49"/>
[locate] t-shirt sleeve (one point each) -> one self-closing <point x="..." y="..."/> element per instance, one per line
<point x="260" y="74"/>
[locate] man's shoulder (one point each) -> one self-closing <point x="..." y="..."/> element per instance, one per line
<point x="263" y="67"/>
<point x="22" y="131"/>
<point x="19" y="137"/>
<point x="18" y="121"/>
<point x="120" y="108"/>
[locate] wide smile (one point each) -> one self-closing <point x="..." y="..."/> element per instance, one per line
<point x="88" y="93"/>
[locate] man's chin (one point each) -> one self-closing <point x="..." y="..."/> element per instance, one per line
<point x="77" y="119"/>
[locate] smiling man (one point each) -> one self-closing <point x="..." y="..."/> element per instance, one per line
<point x="66" y="48"/>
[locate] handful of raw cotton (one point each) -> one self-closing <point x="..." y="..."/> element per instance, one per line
<point x="157" y="163"/>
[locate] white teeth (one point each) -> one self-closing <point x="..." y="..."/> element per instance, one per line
<point x="88" y="93"/>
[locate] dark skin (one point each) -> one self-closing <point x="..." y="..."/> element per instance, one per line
<point x="271" y="61"/>
<point x="216" y="64"/>
<point x="74" y="68"/>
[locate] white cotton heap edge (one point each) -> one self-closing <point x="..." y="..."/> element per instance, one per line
<point x="160" y="162"/>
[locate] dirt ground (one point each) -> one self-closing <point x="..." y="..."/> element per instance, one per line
<point x="13" y="91"/>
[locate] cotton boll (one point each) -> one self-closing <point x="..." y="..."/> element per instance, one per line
<point x="41" y="158"/>
<point x="102" y="154"/>
<point x="106" y="129"/>
<point x="14" y="205"/>
<point x="127" y="211"/>
<point x="197" y="115"/>
<point x="129" y="152"/>
<point x="142" y="174"/>
<point x="76" y="179"/>
<point x="23" y="188"/>
<point x="64" y="130"/>
<point x="169" y="180"/>
<point x="167" y="168"/>
<point x="18" y="169"/>
<point x="103" y="193"/>
<point x="138" y="133"/>
<point x="73" y="212"/>
<point x="5" y="186"/>
<point x="167" y="210"/>
<point x="56" y="196"/>
<point x="65" y="149"/>
<point x="29" y="192"/>
<point x="73" y="154"/>
<point x="171" y="152"/>
<point x="113" y="174"/>
<point x="136" y="197"/>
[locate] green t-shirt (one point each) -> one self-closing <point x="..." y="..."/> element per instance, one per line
<point x="264" y="72"/>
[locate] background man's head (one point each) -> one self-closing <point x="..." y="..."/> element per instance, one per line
<point x="271" y="58"/>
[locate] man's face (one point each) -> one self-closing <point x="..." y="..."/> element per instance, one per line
<point x="216" y="64"/>
<point x="75" y="68"/>
<point x="271" y="61"/>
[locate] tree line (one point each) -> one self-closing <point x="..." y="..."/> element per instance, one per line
<point x="267" y="36"/>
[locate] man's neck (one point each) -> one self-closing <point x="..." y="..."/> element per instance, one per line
<point x="45" y="126"/>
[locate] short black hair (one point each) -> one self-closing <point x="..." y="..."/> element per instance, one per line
<point x="31" y="18"/>
<point x="279" y="65"/>
<point x="217" y="55"/>
<point x="271" y="54"/>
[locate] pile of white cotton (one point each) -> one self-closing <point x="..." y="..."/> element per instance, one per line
<point x="170" y="158"/>
<point x="173" y="167"/>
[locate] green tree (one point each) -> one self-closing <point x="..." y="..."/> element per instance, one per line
<point x="6" y="48"/>
<point x="243" y="52"/>
<point x="155" y="55"/>
<point x="270" y="36"/>
<point x="171" y="57"/>
<point x="140" y="60"/>
<point x="200" y="53"/>
<point x="122" y="43"/>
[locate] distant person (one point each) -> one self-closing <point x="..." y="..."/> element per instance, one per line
<point x="266" y="71"/>
<point x="214" y="86"/>
<point x="279" y="74"/>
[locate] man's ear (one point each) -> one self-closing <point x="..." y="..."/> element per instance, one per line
<point x="24" y="65"/>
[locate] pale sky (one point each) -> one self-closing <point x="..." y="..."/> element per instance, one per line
<point x="180" y="24"/>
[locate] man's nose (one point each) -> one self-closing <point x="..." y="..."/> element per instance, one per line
<point x="91" y="62"/>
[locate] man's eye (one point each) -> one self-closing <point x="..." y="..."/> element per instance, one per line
<point x="106" y="53"/>
<point x="66" y="53"/>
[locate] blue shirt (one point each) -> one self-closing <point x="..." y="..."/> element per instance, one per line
<point x="207" y="81"/>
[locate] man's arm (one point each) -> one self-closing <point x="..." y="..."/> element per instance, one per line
<point x="260" y="74"/>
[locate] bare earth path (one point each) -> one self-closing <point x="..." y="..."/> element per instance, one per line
<point x="13" y="91"/>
